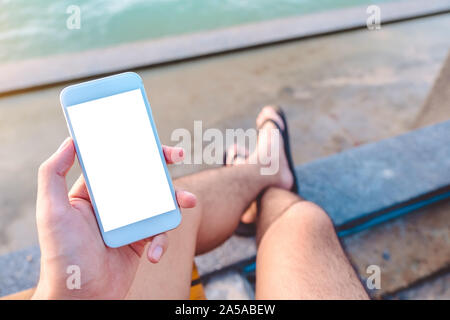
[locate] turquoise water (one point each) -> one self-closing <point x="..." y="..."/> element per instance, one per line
<point x="34" y="28"/>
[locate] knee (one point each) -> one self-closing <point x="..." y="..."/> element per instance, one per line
<point x="305" y="216"/>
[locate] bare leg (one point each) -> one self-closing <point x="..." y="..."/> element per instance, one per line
<point x="223" y="194"/>
<point x="207" y="225"/>
<point x="281" y="200"/>
<point x="299" y="254"/>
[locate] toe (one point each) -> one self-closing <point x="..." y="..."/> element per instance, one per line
<point x="268" y="112"/>
<point x="231" y="154"/>
<point x="236" y="155"/>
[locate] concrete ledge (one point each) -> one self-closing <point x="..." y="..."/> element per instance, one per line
<point x="372" y="183"/>
<point x="61" y="68"/>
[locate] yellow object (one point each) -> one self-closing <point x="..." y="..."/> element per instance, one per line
<point x="197" y="292"/>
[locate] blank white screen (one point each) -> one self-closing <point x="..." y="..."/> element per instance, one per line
<point x="121" y="159"/>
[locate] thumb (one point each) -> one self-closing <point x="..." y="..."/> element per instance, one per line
<point x="52" y="188"/>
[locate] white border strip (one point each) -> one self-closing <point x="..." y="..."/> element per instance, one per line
<point x="60" y="68"/>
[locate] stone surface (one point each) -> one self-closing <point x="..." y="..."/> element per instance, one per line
<point x="361" y="182"/>
<point x="67" y="67"/>
<point x="233" y="250"/>
<point x="19" y="270"/>
<point x="437" y="105"/>
<point x="417" y="245"/>
<point x="230" y="285"/>
<point x="437" y="288"/>
<point x="406" y="249"/>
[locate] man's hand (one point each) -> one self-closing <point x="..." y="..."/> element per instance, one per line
<point x="69" y="235"/>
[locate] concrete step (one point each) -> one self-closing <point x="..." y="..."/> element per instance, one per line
<point x="370" y="184"/>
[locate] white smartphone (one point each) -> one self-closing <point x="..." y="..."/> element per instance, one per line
<point x="118" y="148"/>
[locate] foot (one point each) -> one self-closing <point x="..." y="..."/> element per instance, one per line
<point x="236" y="155"/>
<point x="283" y="178"/>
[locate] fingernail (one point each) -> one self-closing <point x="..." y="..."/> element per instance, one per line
<point x="188" y="193"/>
<point x="157" y="253"/>
<point x="64" y="144"/>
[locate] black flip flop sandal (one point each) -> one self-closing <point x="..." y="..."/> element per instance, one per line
<point x="249" y="229"/>
<point x="287" y="146"/>
<point x="225" y="156"/>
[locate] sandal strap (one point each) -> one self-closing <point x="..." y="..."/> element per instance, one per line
<point x="233" y="160"/>
<point x="275" y="124"/>
<point x="287" y="148"/>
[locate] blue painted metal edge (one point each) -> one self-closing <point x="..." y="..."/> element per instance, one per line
<point x="393" y="214"/>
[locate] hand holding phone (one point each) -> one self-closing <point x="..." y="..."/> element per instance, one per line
<point x="115" y="137"/>
<point x="72" y="248"/>
<point x="70" y="240"/>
